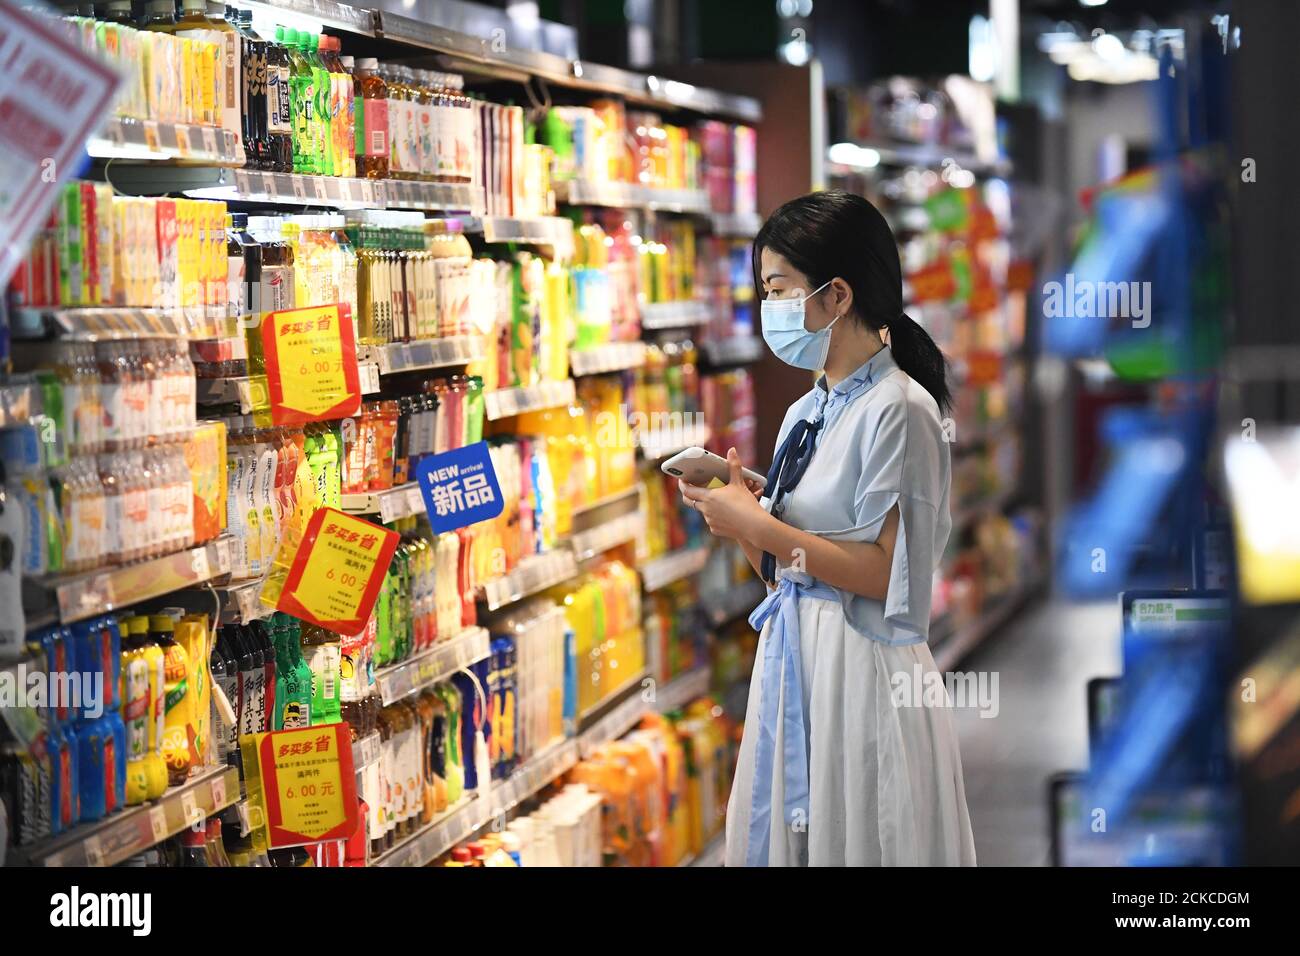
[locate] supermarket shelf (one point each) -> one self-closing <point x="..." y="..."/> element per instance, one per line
<point x="534" y="573"/>
<point x="578" y="192"/>
<point x="531" y="777"/>
<point x="476" y="55"/>
<point x="473" y="813"/>
<point x="19" y="402"/>
<point x="338" y="16"/>
<point x="243" y="391"/>
<point x="133" y="139"/>
<point x="297" y="189"/>
<point x="722" y="608"/>
<point x="241" y="602"/>
<point x="609" y="357"/>
<point x="735" y="225"/>
<point x="950" y="652"/>
<point x="593" y="541"/>
<point x="617" y="721"/>
<point x="366" y="751"/>
<point x="675" y="315"/>
<point x="427" y="668"/>
<point x="505" y="402"/>
<point x="660" y="572"/>
<point x="683" y="689"/>
<point x="396" y="357"/>
<point x="932" y="155"/>
<point x="659" y="443"/>
<point x="553" y="231"/>
<point x="738" y="350"/>
<point x="99" y="322"/>
<point x="116" y="838"/>
<point x="90" y="593"/>
<point x="400" y="502"/>
<point x="436" y="838"/>
<point x="629" y="496"/>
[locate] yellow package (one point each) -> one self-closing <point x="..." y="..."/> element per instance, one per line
<point x="205" y="456"/>
<point x="192" y="633"/>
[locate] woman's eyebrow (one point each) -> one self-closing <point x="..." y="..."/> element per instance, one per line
<point x="773" y="275"/>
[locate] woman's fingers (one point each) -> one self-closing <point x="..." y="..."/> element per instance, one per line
<point x="693" y="492"/>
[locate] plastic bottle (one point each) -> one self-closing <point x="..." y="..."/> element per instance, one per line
<point x="194" y="846"/>
<point x="321" y="651"/>
<point x="260" y="632"/>
<point x="279" y="156"/>
<point x="309" y="43"/>
<point x="370" y="98"/>
<point x="342" y="122"/>
<point x="225" y="673"/>
<point x="177" y="702"/>
<point x="154" y="765"/>
<point x="302" y="86"/>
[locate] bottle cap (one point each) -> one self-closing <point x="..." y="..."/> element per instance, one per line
<point x="161" y="622"/>
<point x="367" y="63"/>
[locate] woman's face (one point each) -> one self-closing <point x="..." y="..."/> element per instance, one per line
<point x="783" y="282"/>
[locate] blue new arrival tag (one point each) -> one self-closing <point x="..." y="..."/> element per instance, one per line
<point x="459" y="487"/>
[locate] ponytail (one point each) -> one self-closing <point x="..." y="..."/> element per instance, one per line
<point x="833" y="234"/>
<point x="918" y="356"/>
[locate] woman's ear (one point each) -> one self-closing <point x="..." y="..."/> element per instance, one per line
<point x="841" y="297"/>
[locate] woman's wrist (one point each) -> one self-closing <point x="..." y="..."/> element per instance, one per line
<point x="762" y="534"/>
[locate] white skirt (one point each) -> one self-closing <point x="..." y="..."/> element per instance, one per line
<point x="884" y="782"/>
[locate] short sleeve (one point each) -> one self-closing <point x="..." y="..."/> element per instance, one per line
<point x="904" y="463"/>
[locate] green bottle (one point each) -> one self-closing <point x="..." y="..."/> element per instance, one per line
<point x="301" y="103"/>
<point x="320" y="111"/>
<point x="402" y="602"/>
<point x="296" y="710"/>
<point x="384" y="618"/>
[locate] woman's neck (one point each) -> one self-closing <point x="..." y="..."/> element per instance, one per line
<point x="849" y="355"/>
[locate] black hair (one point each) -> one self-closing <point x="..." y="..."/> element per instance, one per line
<point x="835" y="234"/>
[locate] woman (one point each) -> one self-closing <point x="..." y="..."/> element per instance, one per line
<point x="851" y="528"/>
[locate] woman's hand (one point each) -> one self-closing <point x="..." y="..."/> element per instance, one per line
<point x="731" y="511"/>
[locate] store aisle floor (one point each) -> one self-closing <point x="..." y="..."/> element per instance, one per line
<point x="1043" y="661"/>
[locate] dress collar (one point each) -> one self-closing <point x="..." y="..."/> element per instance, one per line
<point x="861" y="381"/>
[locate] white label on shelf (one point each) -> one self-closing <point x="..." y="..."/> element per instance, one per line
<point x="319" y="188"/>
<point x="299" y="186"/>
<point x="210" y="143"/>
<point x="158" y="823"/>
<point x="199" y="563"/>
<point x="414" y="500"/>
<point x="218" y="790"/>
<point x="390" y="506"/>
<point x="190" y="808"/>
<point x="268" y="184"/>
<point x="94" y="852"/>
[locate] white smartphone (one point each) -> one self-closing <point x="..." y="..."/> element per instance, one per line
<point x="695" y="466"/>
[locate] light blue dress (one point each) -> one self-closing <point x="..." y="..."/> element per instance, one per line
<point x="844" y="776"/>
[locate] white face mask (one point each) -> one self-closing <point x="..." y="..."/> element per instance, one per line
<point x="785" y="335"/>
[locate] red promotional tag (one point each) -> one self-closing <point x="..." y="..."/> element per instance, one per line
<point x="336" y="575"/>
<point x="308" y="784"/>
<point x="311" y="364"/>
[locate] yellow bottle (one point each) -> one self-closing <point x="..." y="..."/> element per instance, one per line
<point x="177" y="701"/>
<point x="152" y="765"/>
